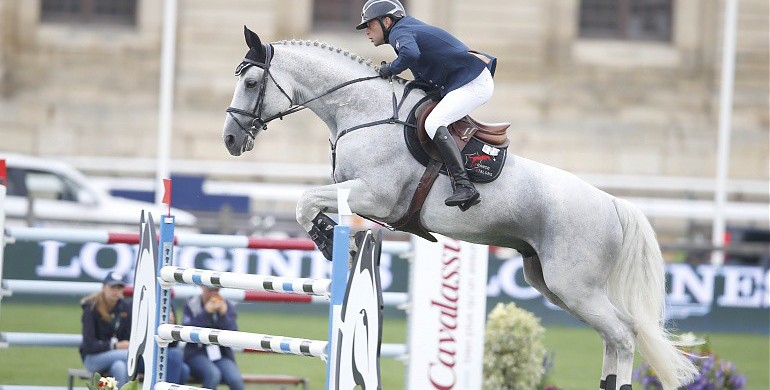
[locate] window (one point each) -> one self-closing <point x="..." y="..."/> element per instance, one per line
<point x="338" y="14"/>
<point x="648" y="20"/>
<point x="47" y="185"/>
<point x="120" y="12"/>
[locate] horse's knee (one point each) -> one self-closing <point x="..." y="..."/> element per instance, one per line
<point x="305" y="210"/>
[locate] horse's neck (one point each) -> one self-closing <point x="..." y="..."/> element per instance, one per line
<point x="315" y="71"/>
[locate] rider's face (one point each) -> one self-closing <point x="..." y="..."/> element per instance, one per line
<point x="374" y="32"/>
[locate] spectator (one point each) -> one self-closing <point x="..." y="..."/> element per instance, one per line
<point x="106" y="323"/>
<point x="106" y="328"/>
<point x="212" y="364"/>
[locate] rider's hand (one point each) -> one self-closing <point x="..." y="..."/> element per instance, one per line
<point x="385" y="71"/>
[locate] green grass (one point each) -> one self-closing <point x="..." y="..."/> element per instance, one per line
<point x="577" y="350"/>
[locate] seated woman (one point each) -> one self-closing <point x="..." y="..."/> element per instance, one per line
<point x="106" y="323"/>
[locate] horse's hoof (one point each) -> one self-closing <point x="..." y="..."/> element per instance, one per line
<point x="625" y="387"/>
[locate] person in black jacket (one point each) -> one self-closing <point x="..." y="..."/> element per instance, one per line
<point x="462" y="77"/>
<point x="106" y="329"/>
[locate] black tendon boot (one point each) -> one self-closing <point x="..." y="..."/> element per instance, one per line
<point x="322" y="233"/>
<point x="465" y="194"/>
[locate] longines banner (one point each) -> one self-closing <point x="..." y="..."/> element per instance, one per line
<point x="701" y="298"/>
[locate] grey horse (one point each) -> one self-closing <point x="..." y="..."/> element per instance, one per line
<point x="593" y="255"/>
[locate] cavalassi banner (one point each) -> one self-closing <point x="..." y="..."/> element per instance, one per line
<point x="447" y="314"/>
<point x="701" y="298"/>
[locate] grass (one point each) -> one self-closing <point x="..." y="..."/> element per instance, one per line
<point x="577" y="350"/>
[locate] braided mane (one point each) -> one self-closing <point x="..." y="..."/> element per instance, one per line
<point x="325" y="46"/>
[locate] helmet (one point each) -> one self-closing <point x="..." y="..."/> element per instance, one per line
<point x="374" y="9"/>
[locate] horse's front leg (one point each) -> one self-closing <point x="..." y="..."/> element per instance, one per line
<point x="316" y="201"/>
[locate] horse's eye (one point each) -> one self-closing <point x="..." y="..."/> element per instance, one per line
<point x="251" y="84"/>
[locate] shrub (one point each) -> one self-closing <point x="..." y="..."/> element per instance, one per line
<point x="513" y="349"/>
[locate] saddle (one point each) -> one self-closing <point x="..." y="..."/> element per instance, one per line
<point x="494" y="134"/>
<point x="483" y="146"/>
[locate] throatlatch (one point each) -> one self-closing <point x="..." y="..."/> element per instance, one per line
<point x="322" y="234"/>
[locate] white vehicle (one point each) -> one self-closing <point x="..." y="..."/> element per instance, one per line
<point x="61" y="196"/>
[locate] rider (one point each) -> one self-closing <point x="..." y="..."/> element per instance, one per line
<point x="461" y="76"/>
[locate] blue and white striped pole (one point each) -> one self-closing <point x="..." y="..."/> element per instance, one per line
<point x="339" y="284"/>
<point x="163" y="296"/>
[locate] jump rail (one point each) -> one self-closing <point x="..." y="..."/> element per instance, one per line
<point x="182" y="239"/>
<point x="58" y="288"/>
<point x="24" y="339"/>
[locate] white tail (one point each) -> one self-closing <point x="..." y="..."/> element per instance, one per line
<point x="637" y="287"/>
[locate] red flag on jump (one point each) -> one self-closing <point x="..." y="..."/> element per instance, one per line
<point x="167" y="194"/>
<point x="3" y="174"/>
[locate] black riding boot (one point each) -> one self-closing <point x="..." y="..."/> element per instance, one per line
<point x="465" y="194"/>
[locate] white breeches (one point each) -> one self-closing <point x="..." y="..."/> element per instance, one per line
<point x="460" y="102"/>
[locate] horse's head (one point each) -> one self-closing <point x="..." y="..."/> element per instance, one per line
<point x="257" y="100"/>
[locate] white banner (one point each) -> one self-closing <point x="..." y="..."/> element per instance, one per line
<point x="446" y="320"/>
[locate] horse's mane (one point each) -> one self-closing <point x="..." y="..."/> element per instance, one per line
<point x="331" y="48"/>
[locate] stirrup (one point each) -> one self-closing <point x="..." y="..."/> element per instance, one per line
<point x="470" y="202"/>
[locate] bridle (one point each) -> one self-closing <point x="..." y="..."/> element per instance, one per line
<point x="257" y="122"/>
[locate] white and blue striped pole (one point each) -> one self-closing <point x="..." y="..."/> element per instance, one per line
<point x="339" y="284"/>
<point x="340" y="253"/>
<point x="163" y="297"/>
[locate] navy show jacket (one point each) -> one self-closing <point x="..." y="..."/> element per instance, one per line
<point x="97" y="333"/>
<point x="434" y="56"/>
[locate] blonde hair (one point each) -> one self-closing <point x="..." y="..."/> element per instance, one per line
<point x="99" y="303"/>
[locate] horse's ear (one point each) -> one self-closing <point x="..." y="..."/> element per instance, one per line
<point x="252" y="39"/>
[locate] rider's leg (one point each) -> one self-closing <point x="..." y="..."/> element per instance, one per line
<point x="464" y="191"/>
<point x="453" y="107"/>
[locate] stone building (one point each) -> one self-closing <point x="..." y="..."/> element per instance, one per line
<point x="594" y="86"/>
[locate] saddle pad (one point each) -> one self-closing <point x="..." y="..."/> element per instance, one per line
<point x="483" y="162"/>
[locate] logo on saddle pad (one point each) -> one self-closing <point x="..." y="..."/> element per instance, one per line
<point x="479" y="163"/>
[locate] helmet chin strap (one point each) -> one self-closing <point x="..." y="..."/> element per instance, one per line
<point x="385" y="31"/>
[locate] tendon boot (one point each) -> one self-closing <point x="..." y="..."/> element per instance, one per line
<point x="322" y="234"/>
<point x="465" y="194"/>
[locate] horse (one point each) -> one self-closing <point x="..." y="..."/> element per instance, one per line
<point x="593" y="255"/>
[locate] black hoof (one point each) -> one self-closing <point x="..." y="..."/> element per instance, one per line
<point x="625" y="387"/>
<point x="610" y="382"/>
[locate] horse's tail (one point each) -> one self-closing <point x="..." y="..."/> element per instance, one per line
<point x="637" y="286"/>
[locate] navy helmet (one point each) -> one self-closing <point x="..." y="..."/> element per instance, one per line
<point x="374" y="9"/>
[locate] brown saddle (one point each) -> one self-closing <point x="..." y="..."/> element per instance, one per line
<point x="462" y="131"/>
<point x="494" y="134"/>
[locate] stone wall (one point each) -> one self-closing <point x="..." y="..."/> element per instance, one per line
<point x="582" y="105"/>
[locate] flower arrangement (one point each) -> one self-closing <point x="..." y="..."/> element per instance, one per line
<point x="714" y="373"/>
<point x="98" y="382"/>
<point x="513" y="349"/>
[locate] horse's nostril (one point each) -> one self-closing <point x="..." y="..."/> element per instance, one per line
<point x="229" y="141"/>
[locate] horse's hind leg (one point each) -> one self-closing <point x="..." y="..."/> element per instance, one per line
<point x="533" y="275"/>
<point x="585" y="295"/>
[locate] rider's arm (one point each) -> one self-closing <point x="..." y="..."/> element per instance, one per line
<point x="408" y="51"/>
